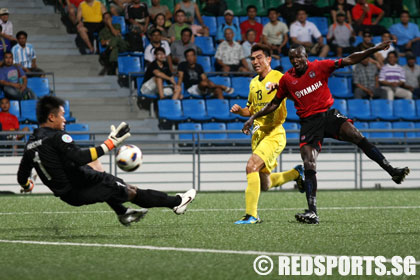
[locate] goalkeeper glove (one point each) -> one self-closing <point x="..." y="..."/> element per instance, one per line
<point x="116" y="137"/>
<point x="28" y="187"/>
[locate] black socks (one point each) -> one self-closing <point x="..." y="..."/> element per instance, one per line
<point x="374" y="154"/>
<point x="117" y="207"/>
<point x="311" y="187"/>
<point x="152" y="198"/>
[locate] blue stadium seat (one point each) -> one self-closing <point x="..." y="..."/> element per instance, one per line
<point x="285" y="63"/>
<point x="211" y="23"/>
<point x="383" y="109"/>
<point x="418" y="107"/>
<point x="275" y="62"/>
<point x="67" y="114"/>
<point x="404" y="125"/>
<point x="376" y="39"/>
<point x="405" y="109"/>
<point x="221" y="80"/>
<point x="205" y="62"/>
<point x="380" y="125"/>
<point x="339" y="87"/>
<point x="358" y="40"/>
<point x="340" y="105"/>
<point x="238" y="127"/>
<point x="188" y="126"/>
<point x="359" y="109"/>
<point x="31" y="128"/>
<point x="128" y="64"/>
<point x="361" y="126"/>
<point x="291" y="126"/>
<point x="217" y="127"/>
<point x="219" y="109"/>
<point x="241" y="86"/>
<point x="417" y="125"/>
<point x="14" y="108"/>
<point x="291" y="111"/>
<point x="402" y="60"/>
<point x="321" y="23"/>
<point x="121" y="21"/>
<point x="170" y="110"/>
<point x="28" y="110"/>
<point x="205" y="44"/>
<point x="39" y="86"/>
<point x="221" y="19"/>
<point x="78" y="127"/>
<point x="240" y="102"/>
<point x="195" y="109"/>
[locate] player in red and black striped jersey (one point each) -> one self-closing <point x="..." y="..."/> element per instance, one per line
<point x="307" y="85"/>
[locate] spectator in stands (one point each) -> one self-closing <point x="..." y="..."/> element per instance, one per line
<point x="289" y="11"/>
<point x="137" y="14"/>
<point x="230" y="55"/>
<point x="8" y="121"/>
<point x="114" y="45"/>
<point x="341" y="36"/>
<point x="214" y="8"/>
<point x="176" y="28"/>
<point x="157" y="8"/>
<point x="71" y="7"/>
<point x="24" y="55"/>
<point x="412" y="75"/>
<point x="390" y="7"/>
<point x="91" y="17"/>
<point x="192" y="12"/>
<point x="275" y="33"/>
<point x="159" y="23"/>
<point x="117" y="7"/>
<point x="311" y="9"/>
<point x="303" y="31"/>
<point x="6" y="25"/>
<point x="392" y="78"/>
<point x="365" y="79"/>
<point x="381" y="55"/>
<point x="156" y="41"/>
<point x="5" y="46"/>
<point x="407" y="34"/>
<point x="362" y="18"/>
<point x="220" y="36"/>
<point x="341" y="6"/>
<point x="247" y="45"/>
<point x="195" y="80"/>
<point x="158" y="72"/>
<point x="14" y="81"/>
<point x="366" y="44"/>
<point x="179" y="47"/>
<point x="251" y="23"/>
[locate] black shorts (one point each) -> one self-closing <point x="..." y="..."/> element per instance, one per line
<point x="107" y="188"/>
<point x="93" y="27"/>
<point x="315" y="128"/>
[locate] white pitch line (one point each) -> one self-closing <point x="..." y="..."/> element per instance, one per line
<point x="156" y="248"/>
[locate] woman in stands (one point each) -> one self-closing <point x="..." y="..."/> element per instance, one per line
<point x="159" y="23"/>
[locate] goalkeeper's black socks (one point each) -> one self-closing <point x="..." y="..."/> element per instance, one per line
<point x="152" y="198"/>
<point x="117" y="207"/>
<point x="374" y="154"/>
<point x="311" y="187"/>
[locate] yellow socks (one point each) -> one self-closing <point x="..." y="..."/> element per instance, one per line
<point x="252" y="193"/>
<point x="278" y="179"/>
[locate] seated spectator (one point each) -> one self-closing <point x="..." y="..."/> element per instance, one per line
<point x="230" y="55"/>
<point x="179" y="47"/>
<point x="156" y="74"/>
<point x="407" y="34"/>
<point x="289" y="11"/>
<point x="192" y="12"/>
<point x="6" y="24"/>
<point x="138" y="15"/>
<point x="176" y="28"/>
<point x="381" y="55"/>
<point x="5" y="46"/>
<point x="159" y="23"/>
<point x="366" y="82"/>
<point x="302" y="32"/>
<point x="114" y="45"/>
<point x="117" y="7"/>
<point x="362" y="18"/>
<point x="275" y="33"/>
<point x="247" y="45"/>
<point x="195" y="80"/>
<point x="390" y="7"/>
<point x="220" y="36"/>
<point x="343" y="7"/>
<point x="14" y="81"/>
<point x="92" y="17"/>
<point x="68" y="9"/>
<point x="341" y="36"/>
<point x="311" y="9"/>
<point x="8" y="121"/>
<point x="214" y="8"/>
<point x="157" y="8"/>
<point x="392" y="78"/>
<point x="24" y="55"/>
<point x="156" y="41"/>
<point x="366" y="44"/>
<point x="251" y="23"/>
<point x="412" y="75"/>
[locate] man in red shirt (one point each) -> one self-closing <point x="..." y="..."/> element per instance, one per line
<point x="8" y="121"/>
<point x="251" y="23"/>
<point x="307" y="85"/>
<point x="362" y="14"/>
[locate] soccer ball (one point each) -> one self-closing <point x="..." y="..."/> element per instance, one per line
<point x="129" y="158"/>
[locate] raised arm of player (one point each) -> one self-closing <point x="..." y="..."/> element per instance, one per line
<point x="24" y="173"/>
<point x="357" y="57"/>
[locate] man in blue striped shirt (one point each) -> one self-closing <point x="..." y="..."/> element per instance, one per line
<point x="24" y="54"/>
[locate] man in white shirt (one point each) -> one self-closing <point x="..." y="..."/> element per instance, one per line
<point x="230" y="55"/>
<point x="155" y="42"/>
<point x="275" y="33"/>
<point x="247" y="45"/>
<point x="6" y="24"/>
<point x="302" y="32"/>
<point x="412" y="75"/>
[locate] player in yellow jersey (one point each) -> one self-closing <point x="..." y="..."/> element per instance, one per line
<point x="269" y="137"/>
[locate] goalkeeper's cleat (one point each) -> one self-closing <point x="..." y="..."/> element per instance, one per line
<point x="248" y="219"/>
<point x="300" y="181"/>
<point x="186" y="198"/>
<point x="398" y="175"/>
<point x="309" y="217"/>
<point x="132" y="216"/>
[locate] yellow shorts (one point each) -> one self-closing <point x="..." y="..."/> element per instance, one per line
<point x="268" y="145"/>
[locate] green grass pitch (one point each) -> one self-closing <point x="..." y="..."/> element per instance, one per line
<point x="352" y="223"/>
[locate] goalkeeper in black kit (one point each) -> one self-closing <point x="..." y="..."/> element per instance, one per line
<point x="66" y="169"/>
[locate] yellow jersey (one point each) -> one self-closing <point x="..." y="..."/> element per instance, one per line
<point x="91" y="13"/>
<point x="258" y="97"/>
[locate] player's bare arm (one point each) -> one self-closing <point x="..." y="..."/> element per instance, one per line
<point x="244" y="112"/>
<point x="357" y="57"/>
<point x="270" y="107"/>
